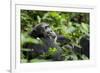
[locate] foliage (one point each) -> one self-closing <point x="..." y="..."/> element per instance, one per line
<point x="51" y="52"/>
<point x="61" y="23"/>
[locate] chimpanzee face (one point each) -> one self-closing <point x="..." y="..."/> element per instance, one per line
<point x="43" y="30"/>
<point x="48" y="31"/>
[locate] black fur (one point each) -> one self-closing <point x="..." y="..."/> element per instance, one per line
<point x="49" y="37"/>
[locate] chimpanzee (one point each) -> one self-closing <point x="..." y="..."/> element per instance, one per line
<point x="84" y="42"/>
<point x="49" y="39"/>
<point x="83" y="49"/>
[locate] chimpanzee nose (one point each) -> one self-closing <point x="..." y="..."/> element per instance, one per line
<point x="53" y="36"/>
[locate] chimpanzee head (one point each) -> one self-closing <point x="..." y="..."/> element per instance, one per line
<point x="43" y="30"/>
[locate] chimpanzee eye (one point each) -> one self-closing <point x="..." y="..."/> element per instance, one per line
<point x="46" y="27"/>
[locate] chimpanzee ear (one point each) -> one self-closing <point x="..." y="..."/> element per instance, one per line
<point x="36" y="32"/>
<point x="33" y="33"/>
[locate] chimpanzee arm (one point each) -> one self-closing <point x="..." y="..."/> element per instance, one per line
<point x="62" y="39"/>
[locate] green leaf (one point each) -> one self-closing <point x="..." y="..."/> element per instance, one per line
<point x="39" y="19"/>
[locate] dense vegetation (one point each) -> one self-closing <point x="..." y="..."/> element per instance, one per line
<point x="71" y="25"/>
